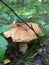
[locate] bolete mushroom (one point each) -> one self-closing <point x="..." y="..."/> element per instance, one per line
<point x="22" y="33"/>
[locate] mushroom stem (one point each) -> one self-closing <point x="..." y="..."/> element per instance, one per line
<point x="23" y="47"/>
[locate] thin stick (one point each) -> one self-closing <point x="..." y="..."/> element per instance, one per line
<point x="17" y="15"/>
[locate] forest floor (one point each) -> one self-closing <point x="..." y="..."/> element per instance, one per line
<point x="38" y="58"/>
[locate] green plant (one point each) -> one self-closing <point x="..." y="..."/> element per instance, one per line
<point x="3" y="41"/>
<point x="3" y="47"/>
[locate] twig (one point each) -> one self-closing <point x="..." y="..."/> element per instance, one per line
<point x="17" y="15"/>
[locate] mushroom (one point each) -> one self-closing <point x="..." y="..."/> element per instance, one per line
<point x="22" y="34"/>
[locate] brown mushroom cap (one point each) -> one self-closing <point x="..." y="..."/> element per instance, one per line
<point x="22" y="33"/>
